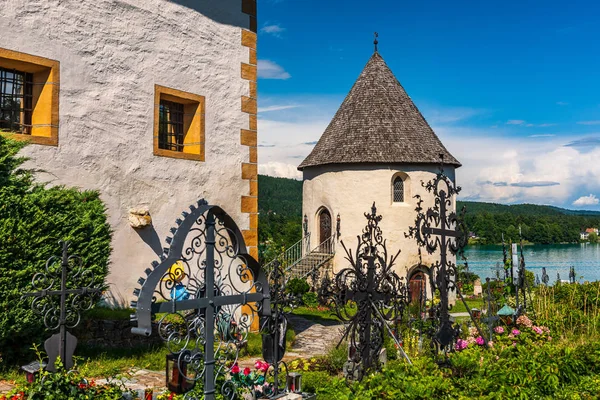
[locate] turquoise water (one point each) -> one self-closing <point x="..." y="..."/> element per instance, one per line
<point x="556" y="258"/>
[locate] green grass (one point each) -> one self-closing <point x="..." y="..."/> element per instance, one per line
<point x="460" y="306"/>
<point x="101" y="363"/>
<point x="320" y="315"/>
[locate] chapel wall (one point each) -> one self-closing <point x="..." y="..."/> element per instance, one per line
<point x="111" y="55"/>
<point x="350" y="190"/>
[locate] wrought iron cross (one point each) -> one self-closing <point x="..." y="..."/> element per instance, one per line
<point x="212" y="290"/>
<point x="66" y="313"/>
<point x="441" y="229"/>
<point x="378" y="293"/>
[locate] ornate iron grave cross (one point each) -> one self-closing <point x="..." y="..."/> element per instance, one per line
<point x="367" y="297"/>
<point x="274" y="327"/>
<point x="440" y="228"/>
<point x="210" y="293"/>
<point x="78" y="290"/>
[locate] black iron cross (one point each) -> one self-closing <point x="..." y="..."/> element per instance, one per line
<point x="440" y="228"/>
<point x="67" y="313"/>
<point x="379" y="293"/>
<point x="212" y="259"/>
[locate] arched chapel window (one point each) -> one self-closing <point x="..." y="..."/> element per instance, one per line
<point x="398" y="190"/>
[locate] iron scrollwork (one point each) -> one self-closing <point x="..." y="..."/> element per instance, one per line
<point x="63" y="291"/>
<point x="209" y="292"/>
<point x="439" y="228"/>
<point x="368" y="296"/>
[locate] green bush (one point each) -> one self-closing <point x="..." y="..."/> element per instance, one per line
<point x="309" y="299"/>
<point x="297" y="287"/>
<point x="33" y="219"/>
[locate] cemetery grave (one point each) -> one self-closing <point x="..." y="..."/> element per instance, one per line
<point x="361" y="334"/>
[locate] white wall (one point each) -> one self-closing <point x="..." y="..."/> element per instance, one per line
<point x="350" y="190"/>
<point x="111" y="55"/>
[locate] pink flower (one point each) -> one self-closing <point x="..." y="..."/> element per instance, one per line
<point x="523" y="320"/>
<point x="499" y="330"/>
<point x="490" y="344"/>
<point x="264" y="367"/>
<point x="258" y="364"/>
<point x="549" y="338"/>
<point x="515" y="344"/>
<point x="246" y="371"/>
<point x="461" y="345"/>
<point x="480" y="341"/>
<point x="515" y="332"/>
<point x="538" y="330"/>
<point x="235" y="369"/>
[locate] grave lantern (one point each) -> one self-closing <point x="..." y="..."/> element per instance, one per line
<point x="176" y="372"/>
<point x="294" y="382"/>
<point x="32" y="369"/>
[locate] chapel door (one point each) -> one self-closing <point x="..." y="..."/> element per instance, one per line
<point x="324" y="229"/>
<point x="416" y="287"/>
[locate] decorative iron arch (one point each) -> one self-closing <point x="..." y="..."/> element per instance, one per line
<point x="203" y="327"/>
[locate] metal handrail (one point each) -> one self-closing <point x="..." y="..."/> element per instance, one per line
<point x="324" y="252"/>
<point x="301" y="250"/>
<point x="292" y="254"/>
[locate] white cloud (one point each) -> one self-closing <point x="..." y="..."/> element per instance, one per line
<point x="524" y="169"/>
<point x="280" y="170"/>
<point x="562" y="103"/>
<point x="446" y="115"/>
<point x="276" y="108"/>
<point x="597" y="122"/>
<point x="590" y="200"/>
<point x="274" y="30"/>
<point x="271" y="70"/>
<point x="529" y="125"/>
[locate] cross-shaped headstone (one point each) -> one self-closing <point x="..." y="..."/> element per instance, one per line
<point x="379" y="294"/>
<point x="440" y="228"/>
<point x="204" y="307"/>
<point x="65" y="314"/>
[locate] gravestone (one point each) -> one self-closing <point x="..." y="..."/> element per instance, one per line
<point x="477" y="289"/>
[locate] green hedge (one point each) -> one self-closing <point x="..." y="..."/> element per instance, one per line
<point x="33" y="218"/>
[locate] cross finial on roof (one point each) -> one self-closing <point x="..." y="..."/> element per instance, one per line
<point x="375" y="42"/>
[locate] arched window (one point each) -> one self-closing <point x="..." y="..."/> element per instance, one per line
<point x="398" y="190"/>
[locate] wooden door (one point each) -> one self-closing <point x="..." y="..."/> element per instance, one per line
<point x="324" y="225"/>
<point x="417" y="287"/>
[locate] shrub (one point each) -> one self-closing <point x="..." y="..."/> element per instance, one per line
<point x="33" y="219"/>
<point x="297" y="287"/>
<point x="310" y="299"/>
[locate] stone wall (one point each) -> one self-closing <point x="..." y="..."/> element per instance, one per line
<point x="112" y="334"/>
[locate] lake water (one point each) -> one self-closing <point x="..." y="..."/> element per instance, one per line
<point x="556" y="258"/>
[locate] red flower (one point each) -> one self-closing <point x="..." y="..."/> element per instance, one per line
<point x="246" y="371"/>
<point x="235" y="369"/>
<point x="264" y="367"/>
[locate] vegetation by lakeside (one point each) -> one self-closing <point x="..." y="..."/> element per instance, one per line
<point x="280" y="219"/>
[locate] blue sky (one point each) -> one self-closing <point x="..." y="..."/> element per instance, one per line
<point x="512" y="88"/>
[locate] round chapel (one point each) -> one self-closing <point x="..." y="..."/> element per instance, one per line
<point x="378" y="148"/>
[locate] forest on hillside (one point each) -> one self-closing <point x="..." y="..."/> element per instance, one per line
<point x="280" y="219"/>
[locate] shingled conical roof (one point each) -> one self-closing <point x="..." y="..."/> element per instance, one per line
<point x="378" y="123"/>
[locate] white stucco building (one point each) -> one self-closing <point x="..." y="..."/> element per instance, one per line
<point x="150" y="102"/>
<point x="378" y="148"/>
